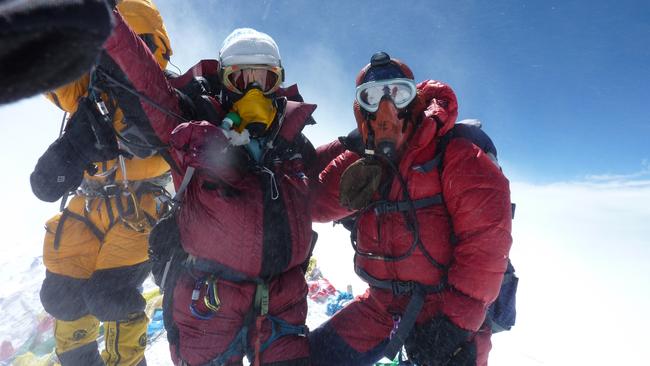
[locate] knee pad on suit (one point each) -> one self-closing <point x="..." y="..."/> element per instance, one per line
<point x="114" y="294"/>
<point x="62" y="296"/>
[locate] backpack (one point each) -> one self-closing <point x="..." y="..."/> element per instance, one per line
<point x="501" y="313"/>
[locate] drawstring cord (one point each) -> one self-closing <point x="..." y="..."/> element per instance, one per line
<point x="275" y="192"/>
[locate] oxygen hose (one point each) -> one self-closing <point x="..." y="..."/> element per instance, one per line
<point x="412" y="222"/>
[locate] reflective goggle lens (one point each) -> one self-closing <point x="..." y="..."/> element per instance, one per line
<point x="401" y="91"/>
<point x="238" y="78"/>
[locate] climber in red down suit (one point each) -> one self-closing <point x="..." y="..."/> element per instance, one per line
<point x="431" y="231"/>
<point x="234" y="284"/>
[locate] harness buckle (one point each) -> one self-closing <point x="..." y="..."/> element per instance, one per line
<point x="112" y="190"/>
<point x="402" y="287"/>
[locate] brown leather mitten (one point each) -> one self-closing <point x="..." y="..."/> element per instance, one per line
<point x="359" y="182"/>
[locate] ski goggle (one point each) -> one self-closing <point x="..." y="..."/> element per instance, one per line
<point x="401" y="91"/>
<point x="237" y="78"/>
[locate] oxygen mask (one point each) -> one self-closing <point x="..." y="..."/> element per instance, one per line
<point x="256" y="110"/>
<point x="386" y="130"/>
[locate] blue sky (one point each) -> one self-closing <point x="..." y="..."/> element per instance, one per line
<point x="561" y="86"/>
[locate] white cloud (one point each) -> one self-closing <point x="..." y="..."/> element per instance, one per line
<point x="631" y="179"/>
<point x="581" y="250"/>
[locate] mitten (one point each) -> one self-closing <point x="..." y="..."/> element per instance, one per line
<point x="359" y="182"/>
<point x="59" y="170"/>
<point x="440" y="342"/>
<point x="205" y="146"/>
<point x="46" y="44"/>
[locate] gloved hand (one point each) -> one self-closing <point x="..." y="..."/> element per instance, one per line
<point x="440" y="342"/>
<point x="46" y="44"/>
<point x="205" y="146"/>
<point x="86" y="140"/>
<point x="353" y="141"/>
<point x="91" y="136"/>
<point x="59" y="170"/>
<point x="359" y="182"/>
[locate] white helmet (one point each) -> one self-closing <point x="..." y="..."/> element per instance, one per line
<point x="246" y="46"/>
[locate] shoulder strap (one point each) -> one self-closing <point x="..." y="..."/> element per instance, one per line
<point x="189" y="172"/>
<point x="436" y="162"/>
<point x="467" y="130"/>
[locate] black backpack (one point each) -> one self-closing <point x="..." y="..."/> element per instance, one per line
<point x="501" y="313"/>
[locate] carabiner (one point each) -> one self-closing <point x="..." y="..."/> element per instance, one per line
<point x="205" y="287"/>
<point x="137" y="220"/>
<point x="211" y="301"/>
<point x="396" y="320"/>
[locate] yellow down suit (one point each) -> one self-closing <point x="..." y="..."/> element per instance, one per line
<point x="95" y="250"/>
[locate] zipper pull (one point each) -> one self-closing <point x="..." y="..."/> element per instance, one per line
<point x="275" y="192"/>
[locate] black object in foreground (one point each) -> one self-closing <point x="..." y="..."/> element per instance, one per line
<point x="47" y="43"/>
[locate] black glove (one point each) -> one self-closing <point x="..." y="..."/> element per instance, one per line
<point x="59" y="170"/>
<point x="440" y="342"/>
<point x="86" y="140"/>
<point x="45" y="43"/>
<point x="359" y="182"/>
<point x="353" y="141"/>
<point x="92" y="137"/>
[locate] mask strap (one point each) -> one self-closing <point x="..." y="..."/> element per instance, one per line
<point x="406" y="116"/>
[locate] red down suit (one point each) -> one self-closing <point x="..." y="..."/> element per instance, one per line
<point x="240" y="228"/>
<point x="476" y="207"/>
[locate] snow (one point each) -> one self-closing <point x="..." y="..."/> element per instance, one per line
<point x="20" y="305"/>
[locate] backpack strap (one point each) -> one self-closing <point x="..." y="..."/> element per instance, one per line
<point x="187" y="177"/>
<point x="468" y="130"/>
<point x="436" y="162"/>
